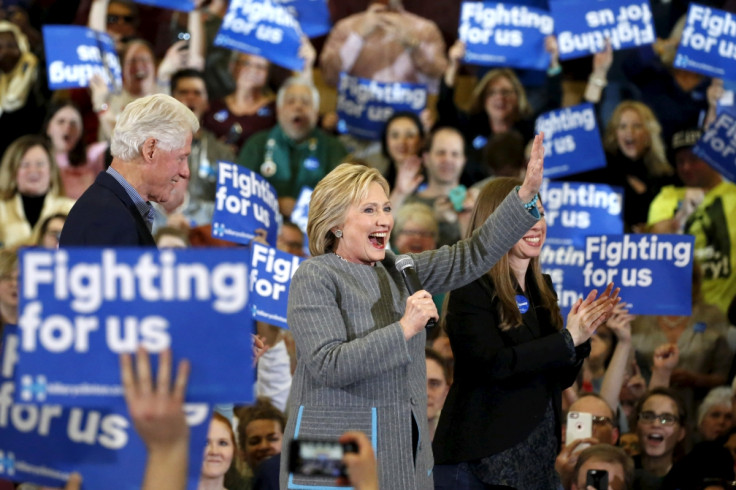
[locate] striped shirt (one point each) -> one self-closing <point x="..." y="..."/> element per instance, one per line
<point x="144" y="207"/>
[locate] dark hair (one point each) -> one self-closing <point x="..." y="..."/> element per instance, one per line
<point x="77" y="155"/>
<point x="262" y="409"/>
<point x="614" y="418"/>
<point x="45" y="225"/>
<point x="670" y="393"/>
<point x="398" y="115"/>
<point x="429" y="141"/>
<point x="431" y="354"/>
<point x="185" y="73"/>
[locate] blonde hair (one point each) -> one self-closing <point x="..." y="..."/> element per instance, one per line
<point x="505" y="283"/>
<point x="419" y="213"/>
<point x="477" y="101"/>
<point x="347" y="184"/>
<point x="8" y="260"/>
<point x="654" y="157"/>
<point x="11" y="163"/>
<point x="156" y="116"/>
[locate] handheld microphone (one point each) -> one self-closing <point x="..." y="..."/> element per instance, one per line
<point x="405" y="265"/>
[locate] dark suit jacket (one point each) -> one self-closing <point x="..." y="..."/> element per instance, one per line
<point x="504" y="380"/>
<point x="105" y="216"/>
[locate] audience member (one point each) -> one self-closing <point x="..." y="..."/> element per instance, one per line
<point x="50" y="231"/>
<point x="260" y="432"/>
<point x="507" y="325"/>
<point x="295" y="153"/>
<point x="9" y="274"/>
<point x="715" y="415"/>
<point x="415" y="229"/>
<point x="607" y="458"/>
<point x="171" y="237"/>
<point x="401" y="146"/>
<point x="181" y="210"/>
<point x="439" y="379"/>
<point x="218" y="453"/>
<point x="705" y="208"/>
<point x="30" y="189"/>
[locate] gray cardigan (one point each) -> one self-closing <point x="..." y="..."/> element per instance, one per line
<point x="355" y="370"/>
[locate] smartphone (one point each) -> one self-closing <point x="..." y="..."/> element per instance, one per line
<point x="457" y="197"/>
<point x="318" y="458"/>
<point x="597" y="479"/>
<point x="579" y="426"/>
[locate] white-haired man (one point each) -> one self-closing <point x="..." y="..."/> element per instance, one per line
<point x="295" y="153"/>
<point x="150" y="146"/>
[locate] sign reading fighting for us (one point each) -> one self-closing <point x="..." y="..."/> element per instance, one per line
<point x="718" y="145"/>
<point x="572" y="143"/>
<point x="654" y="272"/>
<point x="80" y="308"/>
<point x="313" y="15"/>
<point x="582" y="26"/>
<point x="244" y="202"/>
<point x="263" y="28"/>
<point x="364" y="105"/>
<point x="505" y="34"/>
<point x="271" y="273"/>
<point x="572" y="211"/>
<point x="180" y="5"/>
<point x="708" y="42"/>
<point x="75" y="53"/>
<point x="43" y="443"/>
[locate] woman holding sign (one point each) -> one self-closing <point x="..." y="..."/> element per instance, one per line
<point x="360" y="333"/>
<point x="500" y="425"/>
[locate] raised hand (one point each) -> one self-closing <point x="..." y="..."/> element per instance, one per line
<point x="588" y="314"/>
<point x="534" y="170"/>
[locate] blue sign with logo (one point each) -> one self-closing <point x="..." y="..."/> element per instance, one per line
<point x="271" y="273"/>
<point x="582" y="26"/>
<point x="244" y="202"/>
<point x="80" y="308"/>
<point x="564" y="264"/>
<point x="718" y="145"/>
<point x="505" y="34"/>
<point x="640" y="264"/>
<point x="313" y="15"/>
<point x="75" y="53"/>
<point x="572" y="143"/>
<point x="708" y="42"/>
<point x="43" y="443"/>
<point x="263" y="28"/>
<point x="364" y="105"/>
<point x="180" y="5"/>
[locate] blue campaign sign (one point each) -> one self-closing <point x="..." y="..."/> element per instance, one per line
<point x="263" y="28"/>
<point x="582" y="26"/>
<point x="313" y="15"/>
<point x="505" y="34"/>
<point x="572" y="143"/>
<point x="244" y="202"/>
<point x="75" y="53"/>
<point x="300" y="214"/>
<point x="718" y="145"/>
<point x="364" y="105"/>
<point x="708" y="42"/>
<point x="654" y="272"/>
<point x="180" y="5"/>
<point x="564" y="264"/>
<point x="271" y="273"/>
<point x="573" y="210"/>
<point x="80" y="308"/>
<point x="43" y="443"/>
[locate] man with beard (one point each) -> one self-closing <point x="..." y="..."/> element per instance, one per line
<point x="295" y="153"/>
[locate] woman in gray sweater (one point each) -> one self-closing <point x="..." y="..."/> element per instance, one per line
<point x="360" y="335"/>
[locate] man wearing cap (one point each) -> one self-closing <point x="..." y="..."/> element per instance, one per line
<point x="705" y="208"/>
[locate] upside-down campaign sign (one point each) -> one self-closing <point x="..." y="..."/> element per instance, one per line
<point x="364" y="105"/>
<point x="573" y="211"/>
<point x="263" y="28"/>
<point x="572" y="143"/>
<point x="505" y="34"/>
<point x="708" y="43"/>
<point x="654" y="272"/>
<point x="181" y="5"/>
<point x="244" y="203"/>
<point x="75" y="53"/>
<point x="43" y="443"/>
<point x="582" y="26"/>
<point x="718" y="145"/>
<point x="80" y="308"/>
<point x="271" y="273"/>
<point x="313" y="15"/>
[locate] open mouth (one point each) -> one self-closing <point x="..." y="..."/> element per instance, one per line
<point x="655" y="438"/>
<point x="378" y="240"/>
<point x="533" y="240"/>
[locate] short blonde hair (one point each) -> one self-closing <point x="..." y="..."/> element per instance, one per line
<point x="333" y="195"/>
<point x="8" y="260"/>
<point x="419" y="213"/>
<point x="157" y="116"/>
<point x="478" y="100"/>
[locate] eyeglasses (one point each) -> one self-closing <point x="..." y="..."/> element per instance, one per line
<point x="115" y="19"/>
<point x="504" y="92"/>
<point x="600" y="420"/>
<point x="417" y="233"/>
<point x="664" y="418"/>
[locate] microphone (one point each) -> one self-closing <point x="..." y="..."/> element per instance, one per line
<point x="405" y="265"/>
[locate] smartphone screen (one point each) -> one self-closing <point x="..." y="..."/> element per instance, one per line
<point x="316" y="458"/>
<point x="597" y="479"/>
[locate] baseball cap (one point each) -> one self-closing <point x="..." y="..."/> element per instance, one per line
<point x="686" y="138"/>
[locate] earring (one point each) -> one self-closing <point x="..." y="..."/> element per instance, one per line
<point x="338" y="233"/>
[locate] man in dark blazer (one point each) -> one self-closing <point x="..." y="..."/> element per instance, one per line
<point x="150" y="146"/>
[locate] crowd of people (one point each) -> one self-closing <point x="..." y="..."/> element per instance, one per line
<point x="454" y="189"/>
